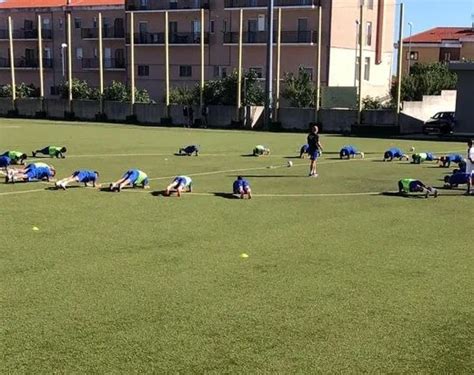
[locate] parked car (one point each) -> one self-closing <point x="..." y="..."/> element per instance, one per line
<point x="440" y="123"/>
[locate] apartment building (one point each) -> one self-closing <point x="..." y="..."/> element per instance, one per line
<point x="440" y="44"/>
<point x="300" y="29"/>
<point x="84" y="46"/>
<point x="299" y="40"/>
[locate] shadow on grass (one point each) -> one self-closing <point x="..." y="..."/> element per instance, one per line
<point x="268" y="176"/>
<point x="225" y="195"/>
<point x="250" y="156"/>
<point x="54" y="188"/>
<point x="178" y="154"/>
<point x="401" y="195"/>
<point x="159" y="193"/>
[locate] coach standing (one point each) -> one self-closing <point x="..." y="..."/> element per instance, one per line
<point x="470" y="166"/>
<point x="314" y="149"/>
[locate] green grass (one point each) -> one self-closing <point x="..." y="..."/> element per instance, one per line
<point x="134" y="283"/>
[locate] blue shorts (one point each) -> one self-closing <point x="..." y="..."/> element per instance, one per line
<point x="313" y="154"/>
<point x="5" y="161"/>
<point x="85" y="176"/>
<point x="131" y="175"/>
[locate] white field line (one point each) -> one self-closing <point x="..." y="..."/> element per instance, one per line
<point x="309" y="195"/>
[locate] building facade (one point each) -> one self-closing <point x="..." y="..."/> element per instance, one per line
<point x="339" y="40"/>
<point x="440" y="44"/>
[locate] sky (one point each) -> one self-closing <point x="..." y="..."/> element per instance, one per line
<point x="426" y="14"/>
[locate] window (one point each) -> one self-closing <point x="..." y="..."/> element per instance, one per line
<point x="96" y="53"/>
<point x="224" y="26"/>
<point x="261" y="22"/>
<point x="79" y="53"/>
<point x="185" y="71"/>
<point x="94" y="23"/>
<point x="143" y="4"/>
<point x="60" y="23"/>
<point x="413" y="55"/>
<point x="220" y="71"/>
<point x="54" y="90"/>
<point x="47" y="53"/>
<point x="211" y="27"/>
<point x="369" y="34"/>
<point x="46" y="24"/>
<point x="447" y="56"/>
<point x="77" y="23"/>
<point x="370" y="4"/>
<point x="257" y="71"/>
<point x="357" y="70"/>
<point x="367" y="69"/>
<point x="143" y="70"/>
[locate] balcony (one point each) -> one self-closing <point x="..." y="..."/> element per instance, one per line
<point x="107" y="33"/>
<point x="174" y="38"/>
<point x="23" y="63"/>
<point x="162" y="5"/>
<point x="25" y="34"/>
<point x="232" y="4"/>
<point x="260" y="37"/>
<point x="109" y="64"/>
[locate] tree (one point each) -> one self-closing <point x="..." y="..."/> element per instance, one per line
<point x="184" y="95"/>
<point x="22" y="91"/>
<point x="299" y="89"/>
<point x="120" y="92"/>
<point x="425" y="79"/>
<point x="80" y="90"/>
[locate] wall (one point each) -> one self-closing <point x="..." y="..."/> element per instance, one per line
<point x="296" y="118"/>
<point x="86" y="109"/>
<point x="117" y="111"/>
<point x="430" y="105"/>
<point x="464" y="103"/>
<point x="5" y="106"/>
<point x="337" y="120"/>
<point x="150" y="113"/>
<point x="55" y="108"/>
<point x="28" y="107"/>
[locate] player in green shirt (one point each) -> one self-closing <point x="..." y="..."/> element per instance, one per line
<point x="16" y="157"/>
<point x="411" y="185"/>
<point x="51" y="151"/>
<point x="132" y="178"/>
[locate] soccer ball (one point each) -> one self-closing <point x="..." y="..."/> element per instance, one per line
<point x="290" y="163"/>
<point x="412" y="149"/>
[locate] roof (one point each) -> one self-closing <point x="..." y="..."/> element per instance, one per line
<point x="15" y="4"/>
<point x="440" y="34"/>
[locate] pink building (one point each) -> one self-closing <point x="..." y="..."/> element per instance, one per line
<point x="299" y="40"/>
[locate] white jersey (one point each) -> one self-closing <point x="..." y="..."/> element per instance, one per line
<point x="469" y="164"/>
<point x="188" y="180"/>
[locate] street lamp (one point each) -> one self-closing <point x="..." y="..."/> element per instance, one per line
<point x="410" y="25"/>
<point x="63" y="47"/>
<point x="269" y="67"/>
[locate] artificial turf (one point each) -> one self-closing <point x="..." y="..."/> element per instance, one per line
<point x="133" y="282"/>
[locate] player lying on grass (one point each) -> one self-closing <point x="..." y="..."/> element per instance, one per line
<point x="131" y="178"/>
<point x="422" y="157"/>
<point x="394" y="153"/>
<point x="350" y="151"/>
<point x="446" y="160"/>
<point x="33" y="172"/>
<point x="180" y="184"/>
<point x="82" y="176"/>
<point x="51" y="151"/>
<point x="5" y="161"/>
<point x="16" y="157"/>
<point x="303" y="150"/>
<point x="261" y="150"/>
<point x="241" y="187"/>
<point x="456" y="179"/>
<point x="410" y="185"/>
<point x="189" y="150"/>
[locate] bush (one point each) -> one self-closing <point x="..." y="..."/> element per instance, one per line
<point x="22" y="91"/>
<point x="299" y="89"/>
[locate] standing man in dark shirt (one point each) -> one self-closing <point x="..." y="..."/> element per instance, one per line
<point x="314" y="149"/>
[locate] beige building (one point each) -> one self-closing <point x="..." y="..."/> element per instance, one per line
<point x="339" y="34"/>
<point x="440" y="44"/>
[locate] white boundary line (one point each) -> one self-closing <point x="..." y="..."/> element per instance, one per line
<point x="309" y="195"/>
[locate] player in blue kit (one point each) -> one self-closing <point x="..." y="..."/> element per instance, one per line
<point x="303" y="150"/>
<point x="350" y="151"/>
<point x="446" y="160"/>
<point x="82" y="176"/>
<point x="456" y="179"/>
<point x="189" y="150"/>
<point x="180" y="184"/>
<point x="5" y="161"/>
<point x="241" y="187"/>
<point x="33" y="172"/>
<point x="394" y="153"/>
<point x="132" y="178"/>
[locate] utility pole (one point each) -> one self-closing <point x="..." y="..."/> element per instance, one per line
<point x="269" y="70"/>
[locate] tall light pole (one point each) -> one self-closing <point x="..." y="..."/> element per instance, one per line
<point x="63" y="57"/>
<point x="410" y="25"/>
<point x="356" y="52"/>
<point x="269" y="70"/>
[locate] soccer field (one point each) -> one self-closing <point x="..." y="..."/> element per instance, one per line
<point x="338" y="279"/>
